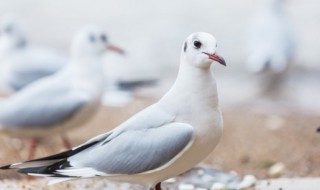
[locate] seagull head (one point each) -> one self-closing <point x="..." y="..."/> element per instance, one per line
<point x="92" y="41"/>
<point x="12" y="32"/>
<point x="200" y="50"/>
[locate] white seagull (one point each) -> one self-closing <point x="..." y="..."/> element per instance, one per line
<point x="21" y="63"/>
<point x="64" y="100"/>
<point x="162" y="141"/>
<point x="270" y="40"/>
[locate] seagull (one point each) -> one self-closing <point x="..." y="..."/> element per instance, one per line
<point x="64" y="100"/>
<point x="125" y="77"/>
<point x="118" y="93"/>
<point x="162" y="141"/>
<point x="270" y="40"/>
<point x="22" y="63"/>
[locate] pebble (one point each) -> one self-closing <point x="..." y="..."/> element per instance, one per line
<point x="274" y="122"/>
<point x="171" y="180"/>
<point x="185" y="186"/>
<point x="277" y="170"/>
<point x="200" y="172"/>
<point x="248" y="181"/>
<point x="207" y="178"/>
<point x="201" y="188"/>
<point x="234" y="173"/>
<point x="218" y="186"/>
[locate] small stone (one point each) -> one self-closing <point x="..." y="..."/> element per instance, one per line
<point x="207" y="178"/>
<point x="274" y="122"/>
<point x="277" y="170"/>
<point x="200" y="172"/>
<point x="201" y="188"/>
<point x="218" y="186"/>
<point x="171" y="180"/>
<point x="234" y="173"/>
<point x="185" y="186"/>
<point x="248" y="181"/>
<point x="16" y="143"/>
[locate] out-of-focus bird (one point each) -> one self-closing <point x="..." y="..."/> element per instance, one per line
<point x="119" y="93"/>
<point x="162" y="141"/>
<point x="22" y="63"/>
<point x="63" y="100"/>
<point x="270" y="39"/>
<point x="126" y="77"/>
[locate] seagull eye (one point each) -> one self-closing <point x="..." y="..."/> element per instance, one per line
<point x="103" y="38"/>
<point x="197" y="44"/>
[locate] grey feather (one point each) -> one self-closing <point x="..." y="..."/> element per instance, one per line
<point x="31" y="64"/>
<point x="45" y="106"/>
<point x="136" y="151"/>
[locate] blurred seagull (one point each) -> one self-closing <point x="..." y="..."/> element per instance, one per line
<point x="64" y="100"/>
<point x="119" y="93"/>
<point x="125" y="80"/>
<point x="21" y="63"/>
<point x="271" y="42"/>
<point x="162" y="141"/>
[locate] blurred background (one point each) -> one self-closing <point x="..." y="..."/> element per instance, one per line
<point x="263" y="126"/>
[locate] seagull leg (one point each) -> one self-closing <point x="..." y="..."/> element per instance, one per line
<point x="33" y="146"/>
<point x="158" y="186"/>
<point x="66" y="142"/>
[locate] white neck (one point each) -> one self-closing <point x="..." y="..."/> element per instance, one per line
<point x="193" y="85"/>
<point x="8" y="46"/>
<point x="87" y="74"/>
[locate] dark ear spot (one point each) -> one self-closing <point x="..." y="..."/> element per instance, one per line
<point x="103" y="38"/>
<point x="185" y="47"/>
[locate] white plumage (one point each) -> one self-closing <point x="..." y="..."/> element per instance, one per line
<point x="270" y="39"/>
<point x="163" y="140"/>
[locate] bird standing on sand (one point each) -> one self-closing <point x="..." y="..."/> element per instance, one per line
<point x="162" y="141"/>
<point x="21" y="63"/>
<point x="64" y="100"/>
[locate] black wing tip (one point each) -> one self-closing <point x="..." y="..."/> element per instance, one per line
<point x="318" y="129"/>
<point x="29" y="170"/>
<point x="130" y="85"/>
<point x="7" y="167"/>
<point x="48" y="170"/>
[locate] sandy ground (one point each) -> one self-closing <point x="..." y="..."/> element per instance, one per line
<point x="258" y="132"/>
<point x="253" y="141"/>
<point x="292" y="184"/>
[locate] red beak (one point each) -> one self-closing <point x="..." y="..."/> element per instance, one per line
<point x="116" y="49"/>
<point x="216" y="57"/>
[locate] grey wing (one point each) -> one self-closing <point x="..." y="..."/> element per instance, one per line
<point x="134" y="151"/>
<point x="40" y="108"/>
<point x="20" y="80"/>
<point x="31" y="66"/>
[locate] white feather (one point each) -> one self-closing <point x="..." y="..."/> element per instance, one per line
<point x="33" y="164"/>
<point x="80" y="172"/>
<point x="59" y="180"/>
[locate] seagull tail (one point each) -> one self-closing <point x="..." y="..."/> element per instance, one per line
<point x="49" y="160"/>
<point x="131" y="85"/>
<point x="59" y="180"/>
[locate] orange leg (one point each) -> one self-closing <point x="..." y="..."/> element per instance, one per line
<point x="158" y="186"/>
<point x="32" y="150"/>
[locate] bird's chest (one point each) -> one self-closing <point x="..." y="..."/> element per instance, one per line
<point x="207" y="122"/>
